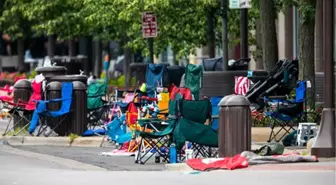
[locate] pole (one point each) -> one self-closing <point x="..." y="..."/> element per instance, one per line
<point x="324" y="145"/>
<point x="151" y="49"/>
<point x="244" y="33"/>
<point x="225" y="36"/>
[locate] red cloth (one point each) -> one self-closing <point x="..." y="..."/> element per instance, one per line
<point x="36" y="96"/>
<point x="185" y="92"/>
<point x="132" y="114"/>
<point x="229" y="163"/>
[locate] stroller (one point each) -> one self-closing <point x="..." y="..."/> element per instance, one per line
<point x="279" y="82"/>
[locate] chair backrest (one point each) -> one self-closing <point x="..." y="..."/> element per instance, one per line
<point x="36" y="95"/>
<point x="195" y="110"/>
<point x="300" y="93"/>
<point x="215" y="111"/>
<point x="66" y="96"/>
<point x="184" y="92"/>
<point x="154" y="74"/>
<point x="95" y="92"/>
<point x="193" y="79"/>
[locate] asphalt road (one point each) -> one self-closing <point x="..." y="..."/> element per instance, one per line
<point x="17" y="168"/>
<point x="90" y="156"/>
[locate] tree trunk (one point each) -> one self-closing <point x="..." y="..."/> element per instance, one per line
<point x="127" y="69"/>
<point x="21" y="52"/>
<point x="306" y="53"/>
<point x="319" y="36"/>
<point x="98" y="58"/>
<point x="211" y="33"/>
<point x="51" y="46"/>
<point x="289" y="33"/>
<point x="269" y="35"/>
<point x="72" y="47"/>
<point x="258" y="52"/>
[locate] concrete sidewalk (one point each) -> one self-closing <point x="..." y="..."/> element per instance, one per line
<point x="259" y="134"/>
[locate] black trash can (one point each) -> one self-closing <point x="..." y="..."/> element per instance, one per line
<point x="69" y="78"/>
<point x="22" y="91"/>
<point x="73" y="64"/>
<point x="51" y="71"/>
<point x="79" y="108"/>
<point x="139" y="71"/>
<point x="54" y="90"/>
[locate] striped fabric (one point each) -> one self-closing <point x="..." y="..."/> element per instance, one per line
<point x="242" y="85"/>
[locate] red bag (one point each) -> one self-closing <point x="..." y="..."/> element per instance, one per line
<point x="185" y="92"/>
<point x="131" y="114"/>
<point x="229" y="163"/>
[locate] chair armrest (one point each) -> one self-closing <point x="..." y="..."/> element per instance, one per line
<point x="53" y="100"/>
<point x="214" y="116"/>
<point x="21" y="101"/>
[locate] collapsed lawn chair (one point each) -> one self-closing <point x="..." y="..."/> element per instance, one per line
<point x="287" y="113"/>
<point x="98" y="105"/>
<point x="41" y="112"/>
<point x="22" y="110"/>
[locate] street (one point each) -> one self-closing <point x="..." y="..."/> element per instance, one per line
<point x="27" y="168"/>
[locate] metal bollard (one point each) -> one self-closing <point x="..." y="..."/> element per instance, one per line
<point x="79" y="104"/>
<point x="22" y="91"/>
<point x="234" y="135"/>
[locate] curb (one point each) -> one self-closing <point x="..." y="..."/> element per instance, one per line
<point x="53" y="141"/>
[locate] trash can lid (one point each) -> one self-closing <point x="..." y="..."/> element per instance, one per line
<point x="69" y="78"/>
<point x="237" y="100"/>
<point x="23" y="83"/>
<point x="51" y="69"/>
<point x="54" y="86"/>
<point x="78" y="85"/>
<point x="224" y="100"/>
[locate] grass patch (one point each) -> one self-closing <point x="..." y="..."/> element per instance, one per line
<point x="72" y="138"/>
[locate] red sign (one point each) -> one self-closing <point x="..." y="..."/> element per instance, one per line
<point x="149" y="25"/>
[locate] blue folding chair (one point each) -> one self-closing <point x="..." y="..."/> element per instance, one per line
<point x="154" y="75"/>
<point x="42" y="111"/>
<point x="288" y="112"/>
<point x="215" y="111"/>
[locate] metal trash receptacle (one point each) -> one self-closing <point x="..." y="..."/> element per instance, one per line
<point x="51" y="71"/>
<point x="54" y="90"/>
<point x="234" y="134"/>
<point x="22" y="91"/>
<point x="79" y="110"/>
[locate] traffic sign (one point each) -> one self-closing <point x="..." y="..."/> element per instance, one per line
<point x="149" y="25"/>
<point x="240" y="4"/>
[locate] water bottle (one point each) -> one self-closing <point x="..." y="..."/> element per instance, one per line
<point x="172" y="153"/>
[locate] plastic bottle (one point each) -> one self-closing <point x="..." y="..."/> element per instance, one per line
<point x="172" y="153"/>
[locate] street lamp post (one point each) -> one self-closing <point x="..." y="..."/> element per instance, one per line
<point x="324" y="146"/>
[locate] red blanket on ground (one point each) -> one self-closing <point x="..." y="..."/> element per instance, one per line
<point x="244" y="160"/>
<point x="228" y="163"/>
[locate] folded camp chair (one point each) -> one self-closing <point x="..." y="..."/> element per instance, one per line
<point x="193" y="79"/>
<point x="98" y="107"/>
<point x="193" y="127"/>
<point x="288" y="112"/>
<point x="41" y="112"/>
<point x="21" y="109"/>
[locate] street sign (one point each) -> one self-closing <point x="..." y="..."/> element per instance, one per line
<point x="240" y="4"/>
<point x="149" y="25"/>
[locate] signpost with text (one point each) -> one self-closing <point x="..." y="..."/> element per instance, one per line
<point x="149" y="31"/>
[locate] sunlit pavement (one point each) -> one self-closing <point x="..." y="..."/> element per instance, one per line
<point x="17" y="169"/>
